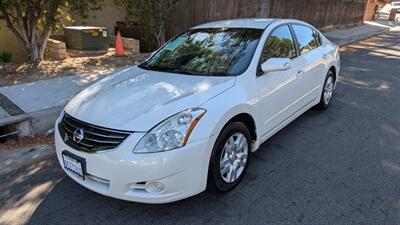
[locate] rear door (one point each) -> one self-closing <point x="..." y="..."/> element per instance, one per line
<point x="312" y="58"/>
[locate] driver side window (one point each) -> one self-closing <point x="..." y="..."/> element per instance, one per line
<point x="279" y="44"/>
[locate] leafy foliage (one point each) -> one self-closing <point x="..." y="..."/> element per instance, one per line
<point x="6" y="57"/>
<point x="151" y="14"/>
<point x="32" y="21"/>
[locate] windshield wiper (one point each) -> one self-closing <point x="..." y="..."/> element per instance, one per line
<point x="163" y="69"/>
<point x="144" y="66"/>
<point x="184" y="72"/>
<point x="154" y="68"/>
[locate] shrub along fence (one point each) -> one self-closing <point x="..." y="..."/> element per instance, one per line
<point x="323" y="14"/>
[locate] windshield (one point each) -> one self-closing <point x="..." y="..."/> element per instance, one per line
<point x="209" y="52"/>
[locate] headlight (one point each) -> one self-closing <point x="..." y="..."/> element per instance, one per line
<point x="171" y="133"/>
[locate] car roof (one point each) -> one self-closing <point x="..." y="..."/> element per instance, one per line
<point x="256" y="23"/>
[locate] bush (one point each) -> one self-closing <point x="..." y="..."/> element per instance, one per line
<point x="6" y="57"/>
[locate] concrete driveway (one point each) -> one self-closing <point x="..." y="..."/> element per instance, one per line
<point x="341" y="166"/>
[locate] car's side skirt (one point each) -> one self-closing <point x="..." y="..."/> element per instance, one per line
<point x="285" y="122"/>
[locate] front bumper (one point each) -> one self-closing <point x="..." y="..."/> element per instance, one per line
<point x="121" y="174"/>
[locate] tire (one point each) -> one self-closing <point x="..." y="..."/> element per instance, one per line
<point x="219" y="181"/>
<point x="329" y="83"/>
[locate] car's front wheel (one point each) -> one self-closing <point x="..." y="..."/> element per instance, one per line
<point x="230" y="157"/>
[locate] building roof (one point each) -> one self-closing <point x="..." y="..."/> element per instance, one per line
<point x="257" y="23"/>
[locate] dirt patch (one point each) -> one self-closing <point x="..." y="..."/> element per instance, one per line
<point x="27" y="142"/>
<point x="23" y="73"/>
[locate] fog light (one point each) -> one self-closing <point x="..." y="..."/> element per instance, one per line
<point x="154" y="187"/>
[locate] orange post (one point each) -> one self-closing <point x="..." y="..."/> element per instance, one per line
<point x="119" y="48"/>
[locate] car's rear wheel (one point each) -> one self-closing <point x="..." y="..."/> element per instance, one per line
<point x="327" y="91"/>
<point x="230" y="157"/>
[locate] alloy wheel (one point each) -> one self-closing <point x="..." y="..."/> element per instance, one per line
<point x="328" y="90"/>
<point x="234" y="157"/>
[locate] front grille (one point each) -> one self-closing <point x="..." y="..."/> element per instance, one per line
<point x="92" y="138"/>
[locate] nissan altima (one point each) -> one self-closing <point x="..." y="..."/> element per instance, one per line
<point x="189" y="117"/>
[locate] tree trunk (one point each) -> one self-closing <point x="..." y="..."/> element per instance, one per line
<point x="34" y="55"/>
<point x="392" y="15"/>
<point x="157" y="37"/>
<point x="34" y="47"/>
<point x="25" y="29"/>
<point x="43" y="42"/>
<point x="160" y="36"/>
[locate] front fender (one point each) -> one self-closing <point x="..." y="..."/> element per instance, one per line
<point x="220" y="110"/>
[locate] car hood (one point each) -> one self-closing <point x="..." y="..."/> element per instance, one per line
<point x="136" y="99"/>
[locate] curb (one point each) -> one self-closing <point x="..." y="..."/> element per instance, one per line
<point x="43" y="120"/>
<point x="343" y="42"/>
<point x="13" y="119"/>
<point x="27" y="124"/>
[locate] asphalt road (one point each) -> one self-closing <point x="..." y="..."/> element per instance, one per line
<point x="341" y="166"/>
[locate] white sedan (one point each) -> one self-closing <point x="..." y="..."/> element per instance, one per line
<point x="395" y="5"/>
<point x="190" y="116"/>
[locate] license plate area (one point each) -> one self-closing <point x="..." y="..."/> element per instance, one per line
<point x="74" y="164"/>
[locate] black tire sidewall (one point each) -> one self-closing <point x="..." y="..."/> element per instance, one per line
<point x="215" y="181"/>
<point x="322" y="104"/>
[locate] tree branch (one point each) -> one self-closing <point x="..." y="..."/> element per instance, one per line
<point x="11" y="26"/>
<point x="20" y="22"/>
<point x="44" y="36"/>
<point x="43" y="41"/>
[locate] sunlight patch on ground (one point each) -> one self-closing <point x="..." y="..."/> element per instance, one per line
<point x="391" y="166"/>
<point x="21" y="211"/>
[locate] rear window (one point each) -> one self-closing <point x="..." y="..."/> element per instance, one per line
<point x="308" y="38"/>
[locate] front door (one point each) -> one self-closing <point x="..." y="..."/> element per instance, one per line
<point x="278" y="92"/>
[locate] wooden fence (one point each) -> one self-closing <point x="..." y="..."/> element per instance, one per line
<point x="321" y="13"/>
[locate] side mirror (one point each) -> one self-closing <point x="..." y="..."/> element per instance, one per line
<point x="276" y="64"/>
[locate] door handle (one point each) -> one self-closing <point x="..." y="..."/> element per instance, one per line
<point x="325" y="56"/>
<point x="300" y="73"/>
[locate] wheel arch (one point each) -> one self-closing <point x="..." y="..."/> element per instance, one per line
<point x="333" y="70"/>
<point x="247" y="120"/>
<point x="244" y="113"/>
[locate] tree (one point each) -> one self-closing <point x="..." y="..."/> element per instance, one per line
<point x="152" y="14"/>
<point x="32" y="21"/>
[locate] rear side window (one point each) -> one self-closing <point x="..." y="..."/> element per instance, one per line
<point x="318" y="37"/>
<point x="279" y="44"/>
<point x="308" y="38"/>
